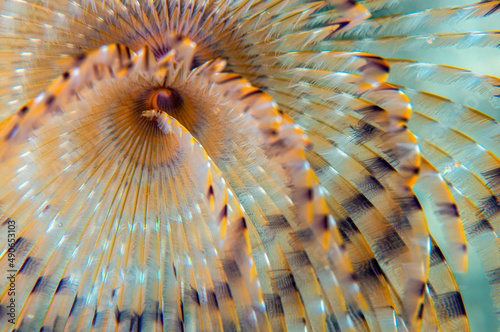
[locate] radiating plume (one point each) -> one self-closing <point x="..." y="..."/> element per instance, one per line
<point x="247" y="165"/>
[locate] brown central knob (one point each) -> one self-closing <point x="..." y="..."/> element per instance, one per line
<point x="166" y="100"/>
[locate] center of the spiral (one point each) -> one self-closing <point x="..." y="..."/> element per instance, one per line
<point x="166" y="100"/>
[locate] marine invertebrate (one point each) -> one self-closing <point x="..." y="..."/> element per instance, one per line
<point x="242" y="165"/>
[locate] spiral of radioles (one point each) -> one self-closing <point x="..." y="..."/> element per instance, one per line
<point x="245" y="165"/>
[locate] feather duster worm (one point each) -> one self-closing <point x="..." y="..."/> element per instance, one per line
<point x="245" y="165"/>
